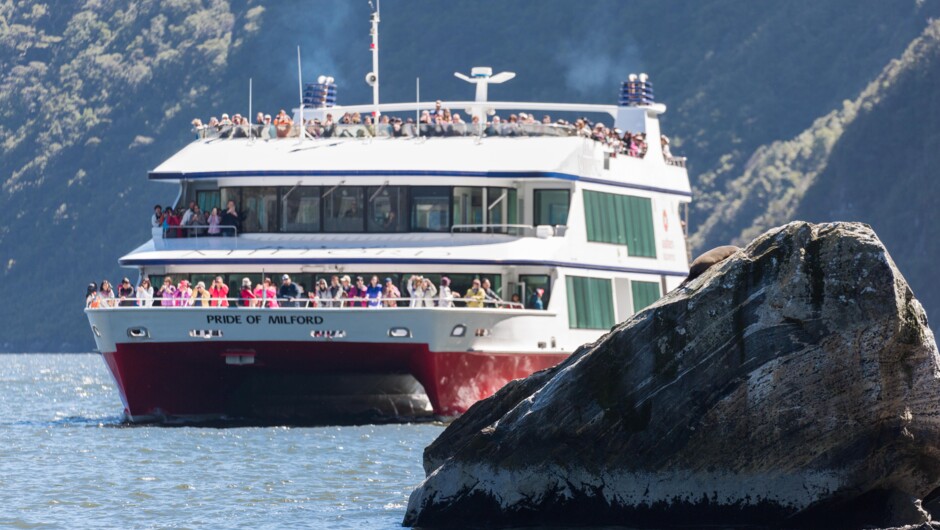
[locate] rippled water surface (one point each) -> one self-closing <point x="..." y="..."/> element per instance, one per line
<point x="67" y="461"/>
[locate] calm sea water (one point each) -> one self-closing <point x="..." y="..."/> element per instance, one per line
<point x="67" y="461"/>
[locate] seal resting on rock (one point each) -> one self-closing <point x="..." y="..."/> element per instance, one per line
<point x="797" y="384"/>
<point x="707" y="260"/>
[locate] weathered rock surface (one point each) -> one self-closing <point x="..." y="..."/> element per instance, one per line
<point x="794" y="383"/>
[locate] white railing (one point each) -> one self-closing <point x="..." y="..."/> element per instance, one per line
<point x="184" y="231"/>
<point x="300" y="303"/>
<point x="519" y="230"/>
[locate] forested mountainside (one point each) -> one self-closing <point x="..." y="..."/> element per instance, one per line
<point x="874" y="159"/>
<point x="94" y="93"/>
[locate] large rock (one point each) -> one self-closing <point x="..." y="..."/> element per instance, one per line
<point x="795" y="381"/>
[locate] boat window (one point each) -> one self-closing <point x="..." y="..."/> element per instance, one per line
<point x="300" y="209"/>
<point x="501" y="206"/>
<point x="259" y="209"/>
<point x="551" y="207"/>
<point x="621" y="220"/>
<point x="430" y="208"/>
<point x="386" y="204"/>
<point x="533" y="282"/>
<point x="468" y="206"/>
<point x="207" y="200"/>
<point x="590" y="303"/>
<point x="343" y="209"/>
<point x="644" y="294"/>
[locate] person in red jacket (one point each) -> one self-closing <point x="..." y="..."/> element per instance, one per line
<point x="219" y="292"/>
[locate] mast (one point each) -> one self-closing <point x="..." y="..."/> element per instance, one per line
<point x="373" y="77"/>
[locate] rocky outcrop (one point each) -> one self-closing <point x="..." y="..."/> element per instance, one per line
<point x="796" y="382"/>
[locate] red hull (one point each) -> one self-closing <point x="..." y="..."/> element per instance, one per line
<point x="287" y="379"/>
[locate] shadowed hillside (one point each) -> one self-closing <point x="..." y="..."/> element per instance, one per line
<point x="95" y="93"/>
<point x="873" y="160"/>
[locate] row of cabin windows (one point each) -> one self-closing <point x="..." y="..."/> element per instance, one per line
<point x="591" y="301"/>
<point x="381" y="208"/>
<point x="609" y="218"/>
<point x="365" y="208"/>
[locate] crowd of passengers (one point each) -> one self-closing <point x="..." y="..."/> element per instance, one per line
<point x="437" y="122"/>
<point x="341" y="291"/>
<point x="192" y="221"/>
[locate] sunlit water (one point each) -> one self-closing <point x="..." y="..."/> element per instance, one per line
<point x="67" y="461"/>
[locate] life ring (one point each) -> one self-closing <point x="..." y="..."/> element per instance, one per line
<point x="665" y="221"/>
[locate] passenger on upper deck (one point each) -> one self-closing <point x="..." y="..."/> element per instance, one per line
<point x="428" y="293"/>
<point x="156" y="220"/>
<point x="200" y="297"/>
<point x="214" y="221"/>
<point x="324" y="294"/>
<point x="390" y="294"/>
<point x="289" y="293"/>
<point x="357" y="294"/>
<point x="515" y="301"/>
<point x="489" y="293"/>
<point x="231" y="221"/>
<point x="164" y="296"/>
<point x="145" y="293"/>
<point x="374" y="292"/>
<point x="247" y="298"/>
<point x="219" y="292"/>
<point x="445" y="295"/>
<point x="126" y="293"/>
<point x="536" y="301"/>
<point x="105" y="294"/>
<point x="475" y="295"/>
<point x="184" y="294"/>
<point x="91" y="295"/>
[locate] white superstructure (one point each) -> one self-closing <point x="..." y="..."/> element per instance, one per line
<point x="534" y="208"/>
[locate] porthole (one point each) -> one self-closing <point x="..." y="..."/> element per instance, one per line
<point x="399" y="333"/>
<point x="459" y="331"/>
<point x="138" y="333"/>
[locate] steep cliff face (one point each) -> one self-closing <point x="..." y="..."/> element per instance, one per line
<point x="795" y="380"/>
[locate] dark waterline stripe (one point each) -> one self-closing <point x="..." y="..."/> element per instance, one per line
<point x="154" y="175"/>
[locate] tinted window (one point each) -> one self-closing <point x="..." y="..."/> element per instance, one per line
<point x="386" y="205"/>
<point x="430" y="209"/>
<point x="551" y="207"/>
<point x="300" y="209"/>
<point x="343" y="210"/>
<point x="259" y="209"/>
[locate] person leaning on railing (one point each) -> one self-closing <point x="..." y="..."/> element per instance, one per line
<point x="475" y="295"/>
<point x="145" y="293"/>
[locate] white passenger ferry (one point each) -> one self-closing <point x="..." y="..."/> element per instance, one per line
<point x="534" y="208"/>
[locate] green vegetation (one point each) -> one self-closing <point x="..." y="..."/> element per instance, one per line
<point x="95" y="93"/>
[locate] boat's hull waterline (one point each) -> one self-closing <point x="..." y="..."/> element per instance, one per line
<point x="312" y="382"/>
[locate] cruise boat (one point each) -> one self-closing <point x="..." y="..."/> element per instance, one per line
<point x="584" y="233"/>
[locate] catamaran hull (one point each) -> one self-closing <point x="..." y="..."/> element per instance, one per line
<point x="287" y="381"/>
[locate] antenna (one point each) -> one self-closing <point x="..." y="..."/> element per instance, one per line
<point x="482" y="76"/>
<point x="373" y="77"/>
<point x="251" y="136"/>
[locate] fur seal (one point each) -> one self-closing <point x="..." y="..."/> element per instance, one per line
<point x="707" y="260"/>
